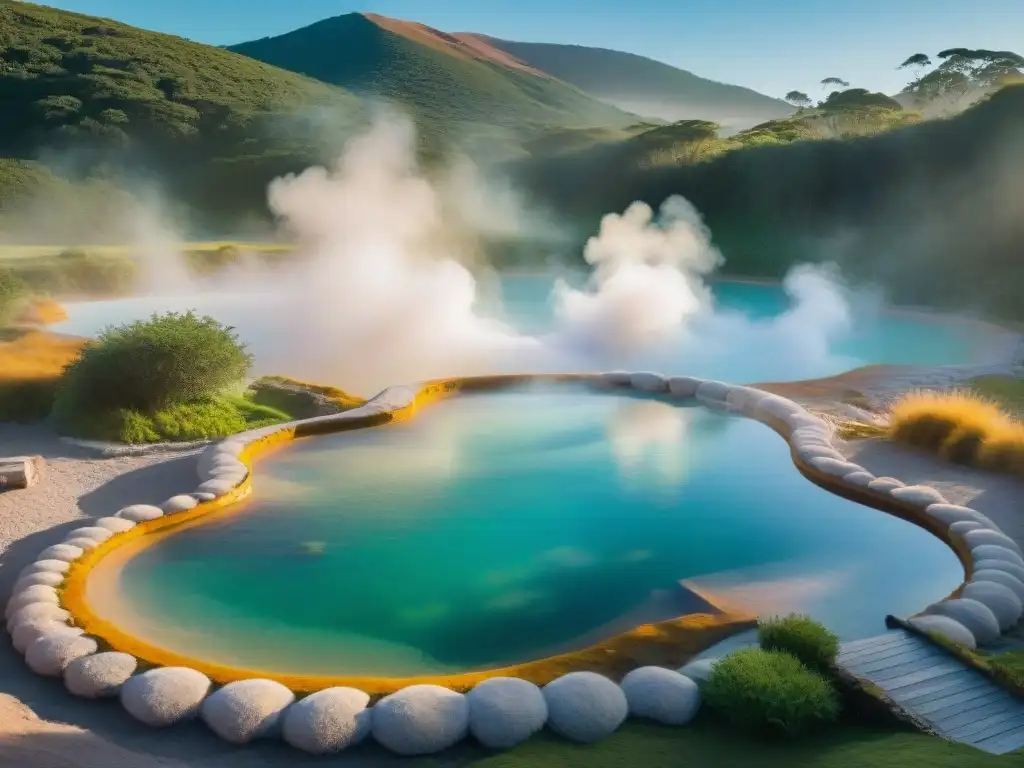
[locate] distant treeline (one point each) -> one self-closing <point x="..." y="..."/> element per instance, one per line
<point x="934" y="212"/>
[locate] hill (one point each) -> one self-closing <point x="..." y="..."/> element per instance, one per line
<point x="91" y="95"/>
<point x="449" y="84"/>
<point x="928" y="209"/>
<point x="641" y="85"/>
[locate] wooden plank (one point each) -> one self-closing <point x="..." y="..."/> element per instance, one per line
<point x="883" y="676"/>
<point x="930" y="690"/>
<point x="973" y="686"/>
<point x="957" y="720"/>
<point x="868" y="666"/>
<point x="858" y="657"/>
<point x="932" y="673"/>
<point x="992" y="724"/>
<point x="989" y="727"/>
<point x="1002" y="743"/>
<point x="962" y="701"/>
<point x="871" y="642"/>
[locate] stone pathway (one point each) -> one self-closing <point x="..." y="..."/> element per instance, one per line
<point x="958" y="702"/>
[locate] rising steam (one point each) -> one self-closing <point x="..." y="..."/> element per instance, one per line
<point x="388" y="286"/>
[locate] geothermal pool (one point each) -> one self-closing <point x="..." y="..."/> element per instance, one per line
<point x="754" y="335"/>
<point x="499" y="528"/>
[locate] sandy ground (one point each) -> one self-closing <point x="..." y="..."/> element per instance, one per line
<point x="43" y="726"/>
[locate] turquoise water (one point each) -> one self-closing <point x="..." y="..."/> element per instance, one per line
<point x="752" y="351"/>
<point x="496" y="528"/>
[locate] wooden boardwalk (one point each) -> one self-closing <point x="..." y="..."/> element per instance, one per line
<point x="958" y="702"/>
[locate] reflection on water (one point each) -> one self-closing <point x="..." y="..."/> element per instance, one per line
<point x="493" y="528"/>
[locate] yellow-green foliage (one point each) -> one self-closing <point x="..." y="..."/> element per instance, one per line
<point x="962" y="427"/>
<point x="771" y="692"/>
<point x="201" y="419"/>
<point x="801" y="636"/>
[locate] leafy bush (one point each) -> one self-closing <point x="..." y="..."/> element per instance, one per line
<point x="771" y="692"/>
<point x="27" y="401"/>
<point x="151" y="365"/>
<point x="12" y="289"/>
<point x="802" y="637"/>
<point x="201" y="419"/>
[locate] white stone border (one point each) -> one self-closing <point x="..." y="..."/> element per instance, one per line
<point x="500" y="712"/>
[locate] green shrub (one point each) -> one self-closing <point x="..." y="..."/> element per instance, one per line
<point x="12" y="290"/>
<point x="149" y="366"/>
<point x="201" y="419"/>
<point x="770" y="692"/>
<point x="26" y="402"/>
<point x="801" y="636"/>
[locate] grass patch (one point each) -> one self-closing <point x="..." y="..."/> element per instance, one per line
<point x="274" y="391"/>
<point x="709" y="743"/>
<point x="801" y="636"/>
<point x="202" y="419"/>
<point x="962" y="427"/>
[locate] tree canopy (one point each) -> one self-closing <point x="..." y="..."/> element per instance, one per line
<point x="798" y="99"/>
<point x="962" y="76"/>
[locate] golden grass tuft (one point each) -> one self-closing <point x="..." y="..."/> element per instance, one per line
<point x="36" y="356"/>
<point x="41" y="311"/>
<point x="961" y="426"/>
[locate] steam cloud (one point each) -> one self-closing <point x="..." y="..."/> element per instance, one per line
<point x="390" y="287"/>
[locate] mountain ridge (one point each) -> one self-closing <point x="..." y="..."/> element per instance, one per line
<point x="639" y="83"/>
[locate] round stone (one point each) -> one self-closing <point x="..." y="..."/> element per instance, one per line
<point x="140" y="513"/>
<point x="216" y="487"/>
<point x="38" y="593"/>
<point x="40" y="566"/>
<point x="505" y="711"/>
<point x="42" y="578"/>
<point x="420" y="720"/>
<point x="885" y="484"/>
<point x="951" y="629"/>
<point x="64" y="552"/>
<point x="659" y="694"/>
<point x="616" y="378"/>
<point x="328" y="721"/>
<point x="99" y="676"/>
<point x="50" y="653"/>
<point x="1000" y="565"/>
<point x="83" y="543"/>
<point x="834" y="467"/>
<point x="95" y="532"/>
<point x="999" y="599"/>
<point x="977" y="617"/>
<point x="859" y="479"/>
<point x="985" y="536"/>
<point x="954" y="513"/>
<point x="995" y="552"/>
<point x="246" y="710"/>
<point x="202" y="497"/>
<point x="963" y="526"/>
<point x="115" y="524"/>
<point x="649" y="382"/>
<point x="38" y="611"/>
<point x="1001" y="577"/>
<point x="25" y="633"/>
<point x="918" y="496"/>
<point x="179" y="503"/>
<point x="713" y="392"/>
<point x="165" y="695"/>
<point x="584" y="706"/>
<point x="684" y="386"/>
<point x="698" y="670"/>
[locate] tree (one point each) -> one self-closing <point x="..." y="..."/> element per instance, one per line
<point x="963" y="77"/>
<point x="830" y="82"/>
<point x="798" y="99"/>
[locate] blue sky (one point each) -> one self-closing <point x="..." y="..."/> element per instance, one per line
<point x="770" y="45"/>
